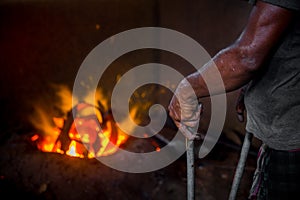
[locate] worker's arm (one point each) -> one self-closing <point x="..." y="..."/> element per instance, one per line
<point x="237" y="64"/>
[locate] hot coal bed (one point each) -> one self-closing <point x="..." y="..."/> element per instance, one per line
<point x="42" y="154"/>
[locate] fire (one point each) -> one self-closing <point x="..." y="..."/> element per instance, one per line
<point x="72" y="150"/>
<point x="87" y="139"/>
<point x="85" y="131"/>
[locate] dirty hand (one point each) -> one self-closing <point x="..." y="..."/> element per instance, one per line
<point x="240" y="105"/>
<point x="185" y="110"/>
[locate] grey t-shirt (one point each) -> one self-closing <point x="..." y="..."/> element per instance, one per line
<point x="273" y="99"/>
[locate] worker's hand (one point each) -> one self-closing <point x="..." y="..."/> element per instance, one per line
<point x="240" y="105"/>
<point x="185" y="110"/>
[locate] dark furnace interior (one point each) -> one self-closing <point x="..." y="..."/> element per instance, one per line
<point x="43" y="44"/>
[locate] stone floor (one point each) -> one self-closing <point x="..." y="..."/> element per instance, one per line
<point x="28" y="172"/>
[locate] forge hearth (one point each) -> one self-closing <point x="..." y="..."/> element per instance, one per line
<point x="25" y="171"/>
<point x="65" y="167"/>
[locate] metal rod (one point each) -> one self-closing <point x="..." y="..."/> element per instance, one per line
<point x="240" y="167"/>
<point x="190" y="169"/>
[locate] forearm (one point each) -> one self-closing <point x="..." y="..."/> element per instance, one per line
<point x="230" y="69"/>
<point x="237" y="64"/>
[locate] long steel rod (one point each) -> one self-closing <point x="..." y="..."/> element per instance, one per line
<point x="241" y="166"/>
<point x="190" y="169"/>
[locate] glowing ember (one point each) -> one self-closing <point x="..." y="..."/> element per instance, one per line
<point x="86" y="138"/>
<point x="90" y="133"/>
<point x="35" y="137"/>
<point x="72" y="150"/>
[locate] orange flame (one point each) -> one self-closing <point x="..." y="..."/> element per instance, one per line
<point x="72" y="150"/>
<point x="85" y="138"/>
<point x="80" y="144"/>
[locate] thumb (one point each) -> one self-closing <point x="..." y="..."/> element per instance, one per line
<point x="240" y="113"/>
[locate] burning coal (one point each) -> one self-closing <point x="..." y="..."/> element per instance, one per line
<point x="87" y="130"/>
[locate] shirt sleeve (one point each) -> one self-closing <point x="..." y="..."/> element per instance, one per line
<point x="289" y="4"/>
<point x="252" y="2"/>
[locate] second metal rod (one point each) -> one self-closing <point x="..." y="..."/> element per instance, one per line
<point x="241" y="166"/>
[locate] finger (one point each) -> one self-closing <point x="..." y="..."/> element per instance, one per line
<point x="173" y="113"/>
<point x="240" y="117"/>
<point x="192" y="115"/>
<point x="201" y="108"/>
<point x="190" y="123"/>
<point x="187" y="133"/>
<point x="174" y="110"/>
<point x="240" y="112"/>
<point x="182" y="128"/>
<point x="194" y="119"/>
<point x="197" y="113"/>
<point x="240" y="107"/>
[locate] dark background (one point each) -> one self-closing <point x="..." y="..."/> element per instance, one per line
<point x="44" y="42"/>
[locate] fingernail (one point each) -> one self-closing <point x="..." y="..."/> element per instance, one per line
<point x="241" y="118"/>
